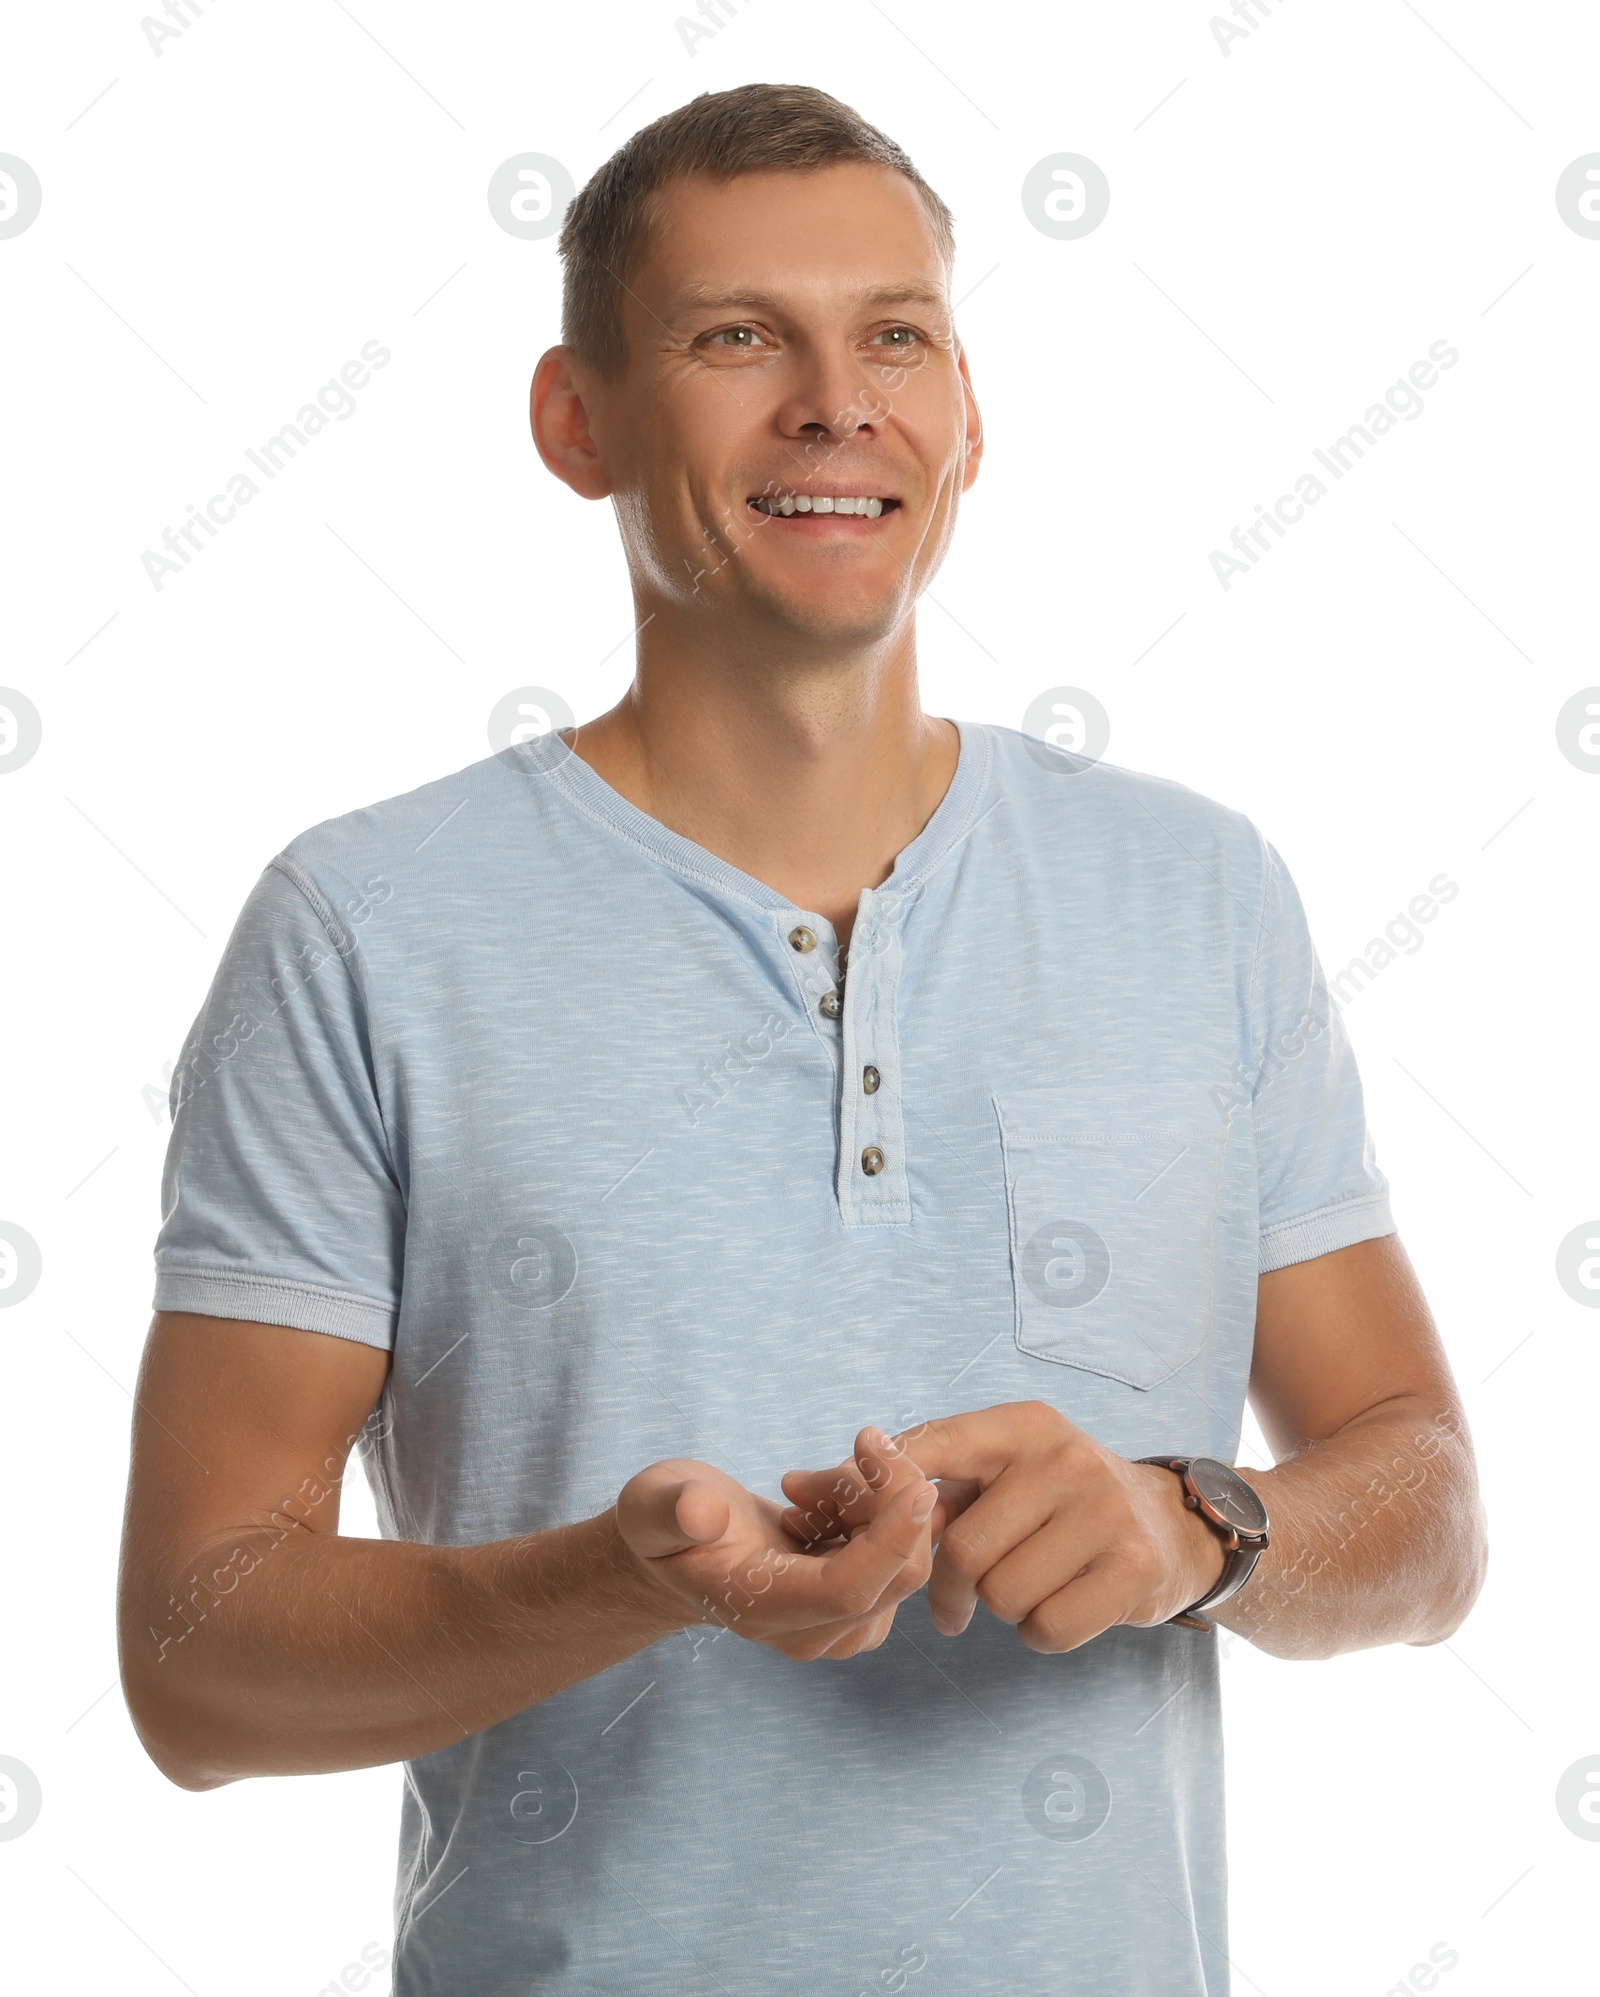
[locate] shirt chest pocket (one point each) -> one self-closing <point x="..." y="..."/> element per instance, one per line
<point x="1115" y="1200"/>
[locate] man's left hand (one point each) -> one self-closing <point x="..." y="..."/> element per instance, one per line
<point x="1047" y="1528"/>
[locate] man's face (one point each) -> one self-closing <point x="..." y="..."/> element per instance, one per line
<point x="789" y="340"/>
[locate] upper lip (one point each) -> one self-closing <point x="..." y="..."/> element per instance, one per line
<point x="844" y="488"/>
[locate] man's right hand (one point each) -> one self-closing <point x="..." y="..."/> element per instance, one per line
<point x="698" y="1537"/>
<point x="256" y="1639"/>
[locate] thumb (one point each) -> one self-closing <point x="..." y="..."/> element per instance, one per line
<point x="661" y="1512"/>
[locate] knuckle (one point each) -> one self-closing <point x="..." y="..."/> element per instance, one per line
<point x="962" y="1551"/>
<point x="1043" y="1634"/>
<point x="871" y="1634"/>
<point x="855" y="1599"/>
<point x="913" y="1576"/>
<point x="1001" y="1603"/>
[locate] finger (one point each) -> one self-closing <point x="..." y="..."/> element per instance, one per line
<point x="956" y="1495"/>
<point x="1010" y="1514"/>
<point x="855" y="1634"/>
<point x="826" y="1502"/>
<point x="865" y="1633"/>
<point x="852" y="1580"/>
<point x="818" y="1526"/>
<point x="980" y="1445"/>
<point x="1036" y="1568"/>
<point x="813" y="1528"/>
<point x="813" y="1512"/>
<point x="1097" y="1600"/>
<point x="834" y="1642"/>
<point x="837" y="1489"/>
<point x="804" y="1487"/>
<point x="854" y="1492"/>
<point x="661" y="1512"/>
<point x="883" y="1465"/>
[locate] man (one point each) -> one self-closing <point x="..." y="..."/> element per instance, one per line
<point x="630" y="1118"/>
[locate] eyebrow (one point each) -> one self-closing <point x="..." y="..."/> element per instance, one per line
<point x="705" y="297"/>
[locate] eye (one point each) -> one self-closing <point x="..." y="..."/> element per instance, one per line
<point x="738" y="339"/>
<point x="897" y="339"/>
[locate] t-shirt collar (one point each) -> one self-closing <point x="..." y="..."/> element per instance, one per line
<point x="965" y="801"/>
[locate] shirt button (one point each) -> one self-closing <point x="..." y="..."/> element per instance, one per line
<point x="870" y="1080"/>
<point x="872" y="1161"/>
<point x="802" y="939"/>
<point x="830" y="1005"/>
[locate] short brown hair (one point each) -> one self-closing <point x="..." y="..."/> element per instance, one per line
<point x="754" y="129"/>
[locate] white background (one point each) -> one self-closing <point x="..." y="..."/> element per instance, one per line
<point x="225" y="225"/>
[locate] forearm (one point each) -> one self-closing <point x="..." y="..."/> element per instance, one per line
<point x="1377" y="1537"/>
<point x="298" y="1652"/>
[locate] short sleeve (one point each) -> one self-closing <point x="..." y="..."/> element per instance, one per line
<point x="280" y="1202"/>
<point x="1319" y="1183"/>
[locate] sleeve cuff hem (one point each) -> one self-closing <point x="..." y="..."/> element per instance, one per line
<point x="274" y="1300"/>
<point x="1329" y="1228"/>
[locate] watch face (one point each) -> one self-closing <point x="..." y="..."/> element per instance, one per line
<point x="1228" y="1495"/>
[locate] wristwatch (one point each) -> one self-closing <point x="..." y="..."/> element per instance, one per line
<point x="1233" y="1510"/>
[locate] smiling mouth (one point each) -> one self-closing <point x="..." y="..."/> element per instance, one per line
<point x="792" y="505"/>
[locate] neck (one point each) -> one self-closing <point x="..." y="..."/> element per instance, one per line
<point x="809" y="771"/>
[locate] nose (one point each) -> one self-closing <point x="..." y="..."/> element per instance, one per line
<point x="829" y="401"/>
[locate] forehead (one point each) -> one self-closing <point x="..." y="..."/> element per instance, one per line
<point x="838" y="232"/>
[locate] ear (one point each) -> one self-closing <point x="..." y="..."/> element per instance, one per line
<point x="974" y="425"/>
<point x="559" y="417"/>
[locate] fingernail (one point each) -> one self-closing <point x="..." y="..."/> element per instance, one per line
<point x="878" y="1438"/>
<point x="922" y="1505"/>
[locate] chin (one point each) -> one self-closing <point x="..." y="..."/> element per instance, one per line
<point x="848" y="618"/>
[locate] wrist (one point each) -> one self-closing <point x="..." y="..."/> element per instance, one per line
<point x="1205" y="1553"/>
<point x="1236" y="1613"/>
<point x="1193" y="1555"/>
<point x="595" y="1568"/>
<point x="628" y="1585"/>
<point x="1229" y="1507"/>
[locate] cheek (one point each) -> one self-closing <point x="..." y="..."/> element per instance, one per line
<point x="931" y="413"/>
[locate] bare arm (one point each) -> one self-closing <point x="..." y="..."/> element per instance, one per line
<point x="255" y="1641"/>
<point x="1378" y="1534"/>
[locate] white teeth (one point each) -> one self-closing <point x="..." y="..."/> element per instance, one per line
<point x="807" y="502"/>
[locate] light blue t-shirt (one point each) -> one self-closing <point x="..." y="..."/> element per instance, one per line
<point x="580" y="1122"/>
